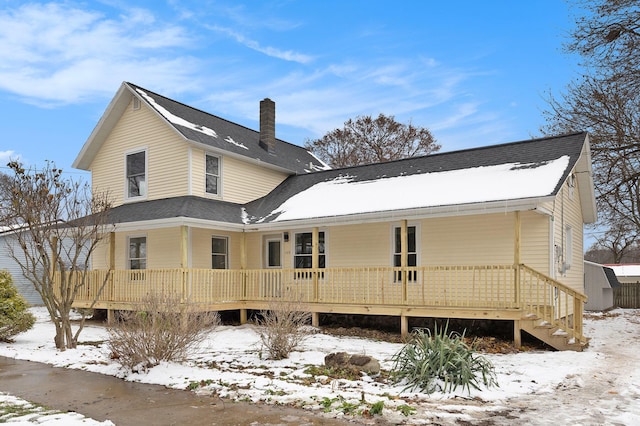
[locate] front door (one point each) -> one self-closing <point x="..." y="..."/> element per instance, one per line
<point x="271" y="283"/>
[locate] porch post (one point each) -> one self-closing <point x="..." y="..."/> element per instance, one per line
<point x="517" y="334"/>
<point x="404" y="249"/>
<point x="112" y="268"/>
<point x="517" y="330"/>
<point x="184" y="261"/>
<point x="243" y="267"/>
<point x="184" y="246"/>
<point x="315" y="260"/>
<point x="404" y="325"/>
<point x="516" y="257"/>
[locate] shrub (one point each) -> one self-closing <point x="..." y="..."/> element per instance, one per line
<point x="14" y="315"/>
<point x="164" y="329"/>
<point x="440" y="362"/>
<point x="283" y="327"/>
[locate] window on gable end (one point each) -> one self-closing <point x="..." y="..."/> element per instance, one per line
<point x="136" y="164"/>
<point x="212" y="174"/>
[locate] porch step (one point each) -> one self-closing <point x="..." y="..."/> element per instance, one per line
<point x="552" y="335"/>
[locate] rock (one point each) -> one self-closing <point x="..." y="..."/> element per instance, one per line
<point x="363" y="363"/>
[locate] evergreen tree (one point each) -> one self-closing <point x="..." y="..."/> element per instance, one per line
<point x="14" y="315"/>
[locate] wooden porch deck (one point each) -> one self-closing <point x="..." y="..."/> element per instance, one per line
<point x="536" y="303"/>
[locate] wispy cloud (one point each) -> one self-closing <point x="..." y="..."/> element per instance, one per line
<point x="287" y="55"/>
<point x="55" y="53"/>
<point x="6" y="156"/>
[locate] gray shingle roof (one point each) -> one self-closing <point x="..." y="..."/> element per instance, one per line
<point x="611" y="277"/>
<point x="177" y="207"/>
<point x="530" y="152"/>
<point x="245" y="142"/>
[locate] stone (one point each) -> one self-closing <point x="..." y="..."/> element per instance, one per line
<point x="362" y="363"/>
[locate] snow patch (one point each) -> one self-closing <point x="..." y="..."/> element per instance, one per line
<point x="345" y="196"/>
<point x="175" y="119"/>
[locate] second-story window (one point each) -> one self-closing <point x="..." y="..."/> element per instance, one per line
<point x="212" y="174"/>
<point x="137" y="174"/>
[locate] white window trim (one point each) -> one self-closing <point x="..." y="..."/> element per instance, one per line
<point x="309" y="231"/>
<point x="128" y="258"/>
<point x="219" y="157"/>
<point x="228" y="256"/>
<point x="265" y="250"/>
<point x="568" y="259"/>
<point x="392" y="240"/>
<point x="146" y="175"/>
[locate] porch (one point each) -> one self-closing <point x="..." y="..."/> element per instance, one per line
<point x="534" y="302"/>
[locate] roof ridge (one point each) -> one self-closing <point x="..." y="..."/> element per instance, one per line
<point x="208" y="113"/>
<point x="455" y="152"/>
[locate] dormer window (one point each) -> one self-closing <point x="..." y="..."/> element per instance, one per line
<point x="136" y="174"/>
<point x="212" y="174"/>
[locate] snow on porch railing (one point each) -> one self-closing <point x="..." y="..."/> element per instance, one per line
<point x="552" y="302"/>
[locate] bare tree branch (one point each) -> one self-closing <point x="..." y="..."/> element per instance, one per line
<point x="57" y="225"/>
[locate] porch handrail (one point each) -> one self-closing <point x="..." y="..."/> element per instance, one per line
<point x="552" y="302"/>
<point x="468" y="286"/>
<point x="455" y="286"/>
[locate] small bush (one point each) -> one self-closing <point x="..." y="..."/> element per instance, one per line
<point x="163" y="330"/>
<point x="440" y="362"/>
<point x="283" y="327"/>
<point x="15" y="317"/>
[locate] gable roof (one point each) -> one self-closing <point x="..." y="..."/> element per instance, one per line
<point x="516" y="176"/>
<point x="507" y="177"/>
<point x="201" y="128"/>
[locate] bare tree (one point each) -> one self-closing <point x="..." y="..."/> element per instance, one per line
<point x="605" y="101"/>
<point x="607" y="37"/>
<point x="57" y="225"/>
<point x="372" y="140"/>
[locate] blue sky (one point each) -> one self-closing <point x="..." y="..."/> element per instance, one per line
<point x="474" y="73"/>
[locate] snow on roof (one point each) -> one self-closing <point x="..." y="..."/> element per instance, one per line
<point x="175" y="119"/>
<point x="626" y="270"/>
<point x="344" y="195"/>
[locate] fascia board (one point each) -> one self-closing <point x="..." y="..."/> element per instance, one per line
<point x="504" y="206"/>
<point x="584" y="175"/>
<point x="178" y="221"/>
<point x="100" y="132"/>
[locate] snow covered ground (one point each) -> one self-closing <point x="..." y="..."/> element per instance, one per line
<point x="598" y="386"/>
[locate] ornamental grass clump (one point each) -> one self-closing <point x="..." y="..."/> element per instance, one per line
<point x="441" y="362"/>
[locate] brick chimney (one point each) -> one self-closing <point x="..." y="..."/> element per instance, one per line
<point x="268" y="125"/>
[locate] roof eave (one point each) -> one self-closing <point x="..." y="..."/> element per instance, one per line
<point x="502" y="206"/>
<point x="584" y="175"/>
<point x="179" y="221"/>
<point x="101" y="131"/>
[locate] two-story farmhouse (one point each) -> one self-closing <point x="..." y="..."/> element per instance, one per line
<point x="232" y="218"/>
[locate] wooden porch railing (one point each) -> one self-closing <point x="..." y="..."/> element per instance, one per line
<point x="516" y="287"/>
<point x="552" y="302"/>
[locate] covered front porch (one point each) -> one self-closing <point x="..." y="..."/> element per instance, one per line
<point x="534" y="302"/>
